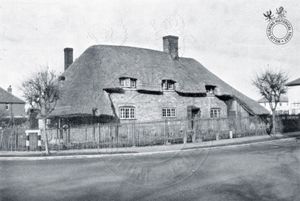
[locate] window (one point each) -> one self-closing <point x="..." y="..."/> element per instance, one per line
<point x="210" y="89"/>
<point x="128" y="82"/>
<point x="127" y="112"/>
<point x="168" y="85"/>
<point x="7" y="106"/>
<point x="61" y="78"/>
<point x="168" y="112"/>
<point x="215" y="112"/>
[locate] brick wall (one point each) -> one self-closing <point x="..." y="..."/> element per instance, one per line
<point x="148" y="107"/>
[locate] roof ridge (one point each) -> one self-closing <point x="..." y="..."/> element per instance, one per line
<point x="6" y="97"/>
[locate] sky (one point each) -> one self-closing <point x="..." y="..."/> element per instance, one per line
<point x="228" y="37"/>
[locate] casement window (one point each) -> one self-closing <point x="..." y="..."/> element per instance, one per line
<point x="6" y="106"/>
<point x="127" y="82"/>
<point x="215" y="112"/>
<point x="210" y="89"/>
<point x="169" y="112"/>
<point x="168" y="85"/>
<point x="127" y="112"/>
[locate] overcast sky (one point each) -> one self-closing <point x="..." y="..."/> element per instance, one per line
<point x="227" y="37"/>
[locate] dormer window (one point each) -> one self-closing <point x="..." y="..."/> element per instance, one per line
<point x="210" y="89"/>
<point x="168" y="85"/>
<point x="127" y="82"/>
<point x="61" y="78"/>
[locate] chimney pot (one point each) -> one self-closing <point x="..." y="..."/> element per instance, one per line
<point x="9" y="89"/>
<point x="170" y="45"/>
<point x="68" y="57"/>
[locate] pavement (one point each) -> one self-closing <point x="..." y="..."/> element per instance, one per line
<point x="94" y="153"/>
<point x="266" y="171"/>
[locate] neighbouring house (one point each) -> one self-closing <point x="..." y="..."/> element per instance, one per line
<point x="281" y="108"/>
<point x="294" y="97"/>
<point x="125" y="84"/>
<point x="12" y="108"/>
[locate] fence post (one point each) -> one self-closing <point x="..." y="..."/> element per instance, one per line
<point x="99" y="136"/>
<point x="133" y="134"/>
<point x="194" y="130"/>
<point x="1" y="138"/>
<point x="39" y="141"/>
<point x="218" y="129"/>
<point x="85" y="137"/>
<point x="117" y="134"/>
<point x="185" y="137"/>
<point x="165" y="124"/>
<point x="27" y="141"/>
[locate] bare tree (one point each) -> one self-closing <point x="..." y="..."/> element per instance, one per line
<point x="42" y="92"/>
<point x="271" y="85"/>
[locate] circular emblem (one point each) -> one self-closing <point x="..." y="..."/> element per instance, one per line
<point x="279" y="31"/>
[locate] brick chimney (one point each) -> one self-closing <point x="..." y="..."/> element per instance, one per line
<point x="68" y="57"/>
<point x="170" y="44"/>
<point x="9" y="89"/>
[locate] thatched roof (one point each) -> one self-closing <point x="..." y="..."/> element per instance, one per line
<point x="101" y="66"/>
<point x="6" y="97"/>
<point x="294" y="83"/>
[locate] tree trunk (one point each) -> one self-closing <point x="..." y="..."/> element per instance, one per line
<point x="274" y="122"/>
<point x="47" y="152"/>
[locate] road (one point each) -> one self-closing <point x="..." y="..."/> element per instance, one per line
<point x="267" y="171"/>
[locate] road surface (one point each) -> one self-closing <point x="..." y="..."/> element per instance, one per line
<point x="267" y="171"/>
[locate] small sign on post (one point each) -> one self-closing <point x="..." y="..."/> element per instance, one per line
<point x="39" y="143"/>
<point x="230" y="135"/>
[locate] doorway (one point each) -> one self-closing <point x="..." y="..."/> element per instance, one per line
<point x="194" y="113"/>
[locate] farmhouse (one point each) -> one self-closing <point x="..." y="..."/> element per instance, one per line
<point x="120" y="83"/>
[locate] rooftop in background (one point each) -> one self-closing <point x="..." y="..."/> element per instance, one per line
<point x="7" y="97"/>
<point x="282" y="99"/>
<point x="294" y="83"/>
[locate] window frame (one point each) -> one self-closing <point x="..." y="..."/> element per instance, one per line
<point x="127" y="82"/>
<point x="168" y="112"/>
<point x="215" y="113"/>
<point x="6" y="106"/>
<point x="168" y="85"/>
<point x="127" y="112"/>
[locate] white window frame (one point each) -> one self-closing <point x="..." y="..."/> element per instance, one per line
<point x="127" y="112"/>
<point x="215" y="113"/>
<point x="168" y="85"/>
<point x="169" y="112"/>
<point x="127" y="82"/>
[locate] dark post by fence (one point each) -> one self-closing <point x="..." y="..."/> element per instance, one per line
<point x="133" y="134"/>
<point x="99" y="136"/>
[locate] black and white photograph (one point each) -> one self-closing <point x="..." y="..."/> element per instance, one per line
<point x="149" y="100"/>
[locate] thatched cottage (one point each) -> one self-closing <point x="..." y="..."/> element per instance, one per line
<point x="136" y="84"/>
